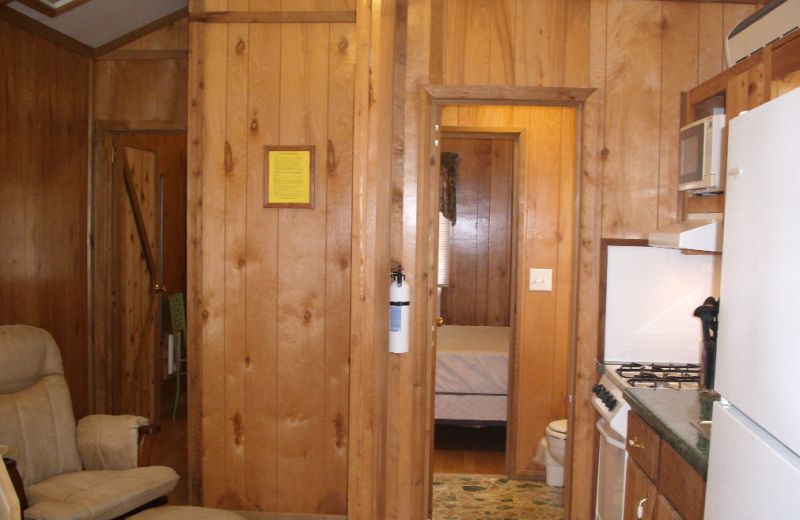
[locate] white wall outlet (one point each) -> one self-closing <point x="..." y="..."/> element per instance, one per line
<point x="540" y="280"/>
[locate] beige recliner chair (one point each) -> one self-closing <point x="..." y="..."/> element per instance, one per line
<point x="69" y="472"/>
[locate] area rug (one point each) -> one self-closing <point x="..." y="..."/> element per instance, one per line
<point x="479" y="498"/>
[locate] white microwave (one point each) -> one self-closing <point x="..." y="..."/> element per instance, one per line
<point x="701" y="155"/>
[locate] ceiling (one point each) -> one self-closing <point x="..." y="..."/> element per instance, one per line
<point x="98" y="22"/>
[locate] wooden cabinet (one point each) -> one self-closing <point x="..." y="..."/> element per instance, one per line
<point x="660" y="484"/>
<point x="640" y="494"/>
<point x="767" y="74"/>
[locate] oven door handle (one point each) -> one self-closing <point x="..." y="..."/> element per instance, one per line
<point x="609" y="434"/>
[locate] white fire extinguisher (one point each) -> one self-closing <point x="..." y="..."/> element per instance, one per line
<point x="399" y="296"/>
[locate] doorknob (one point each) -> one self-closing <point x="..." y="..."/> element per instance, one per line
<point x="160" y="288"/>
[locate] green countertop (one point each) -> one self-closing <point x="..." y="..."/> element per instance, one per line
<point x="671" y="413"/>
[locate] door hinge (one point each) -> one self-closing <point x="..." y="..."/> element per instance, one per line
<point x="113" y="155"/>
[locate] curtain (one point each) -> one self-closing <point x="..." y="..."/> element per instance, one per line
<point x="448" y="174"/>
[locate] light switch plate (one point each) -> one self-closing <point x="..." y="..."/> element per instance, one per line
<point x="540" y="280"/>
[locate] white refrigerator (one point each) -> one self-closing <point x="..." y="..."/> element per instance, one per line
<point x="754" y="461"/>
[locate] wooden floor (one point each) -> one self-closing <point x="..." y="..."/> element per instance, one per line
<point x="469" y="451"/>
<point x="170" y="448"/>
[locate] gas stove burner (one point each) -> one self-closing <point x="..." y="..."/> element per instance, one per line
<point x="660" y="375"/>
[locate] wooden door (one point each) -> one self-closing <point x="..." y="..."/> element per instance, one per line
<point x="149" y="250"/>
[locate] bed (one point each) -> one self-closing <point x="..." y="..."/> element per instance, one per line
<point x="472" y="375"/>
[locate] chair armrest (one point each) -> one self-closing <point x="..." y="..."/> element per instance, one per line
<point x="146" y="436"/>
<point x="16" y="481"/>
<point x="109" y="441"/>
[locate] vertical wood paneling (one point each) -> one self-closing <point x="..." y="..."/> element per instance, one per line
<point x="679" y="68"/>
<point x="301" y="281"/>
<point x="262" y="273"/>
<point x="213" y="269"/>
<point x="43" y="192"/>
<point x="479" y="289"/>
<point x="468" y="41"/>
<point x="633" y="95"/>
<point x="498" y="281"/>
<point x="536" y="354"/>
<point x="540" y="41"/>
<point x="564" y="266"/>
<point x="339" y="169"/>
<point x="577" y="44"/>
<point x="503" y="23"/>
<point x="235" y="263"/>
<point x="711" y="41"/>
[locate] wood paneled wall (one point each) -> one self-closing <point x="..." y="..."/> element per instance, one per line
<point x="639" y="54"/>
<point x="480" y="281"/>
<point x="44" y="150"/>
<point x="270" y="288"/>
<point x="145" y="82"/>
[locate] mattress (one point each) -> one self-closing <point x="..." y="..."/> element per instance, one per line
<point x="472" y="360"/>
<point x="460" y="408"/>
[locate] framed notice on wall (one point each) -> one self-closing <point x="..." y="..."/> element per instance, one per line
<point x="288" y="176"/>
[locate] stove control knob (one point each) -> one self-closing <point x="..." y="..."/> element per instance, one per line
<point x="596" y="388"/>
<point x="603" y="395"/>
<point x="612" y="403"/>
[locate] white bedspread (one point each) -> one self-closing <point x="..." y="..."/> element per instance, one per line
<point x="472" y="360"/>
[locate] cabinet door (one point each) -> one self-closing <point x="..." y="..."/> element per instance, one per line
<point x="640" y="494"/>
<point x="643" y="444"/>
<point x="664" y="511"/>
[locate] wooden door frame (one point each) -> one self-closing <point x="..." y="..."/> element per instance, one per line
<point x="518" y="136"/>
<point x="101" y="255"/>
<point x="585" y="250"/>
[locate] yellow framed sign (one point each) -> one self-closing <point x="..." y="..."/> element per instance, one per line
<point x="288" y="176"/>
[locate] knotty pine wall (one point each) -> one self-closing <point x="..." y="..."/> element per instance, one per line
<point x="44" y="154"/>
<point x="144" y="83"/>
<point x="639" y="54"/>
<point x="479" y="292"/>
<point x="269" y="287"/>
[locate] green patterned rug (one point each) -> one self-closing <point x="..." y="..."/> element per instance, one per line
<point x="479" y="498"/>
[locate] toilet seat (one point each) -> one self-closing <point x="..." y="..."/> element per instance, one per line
<point x="558" y="429"/>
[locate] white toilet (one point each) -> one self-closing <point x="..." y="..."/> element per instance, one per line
<point x="556" y="435"/>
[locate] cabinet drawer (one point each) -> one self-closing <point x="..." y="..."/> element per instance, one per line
<point x="681" y="484"/>
<point x="642" y="444"/>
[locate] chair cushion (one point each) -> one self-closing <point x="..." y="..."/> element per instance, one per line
<point x="35" y="408"/>
<point x="98" y="495"/>
<point x="185" y="513"/>
<point x="38" y="423"/>
<point x="32" y="353"/>
<point x="109" y="441"/>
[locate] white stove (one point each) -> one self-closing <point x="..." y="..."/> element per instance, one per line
<point x="608" y="399"/>
<point x="609" y="402"/>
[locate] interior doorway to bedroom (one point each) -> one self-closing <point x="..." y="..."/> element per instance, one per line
<point x="540" y="235"/>
<point x="475" y="302"/>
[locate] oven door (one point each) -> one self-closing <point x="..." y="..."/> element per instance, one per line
<point x="610" y="473"/>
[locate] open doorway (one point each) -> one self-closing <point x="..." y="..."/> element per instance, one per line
<point x="475" y="302"/>
<point x="139" y="261"/>
<point x="544" y="222"/>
